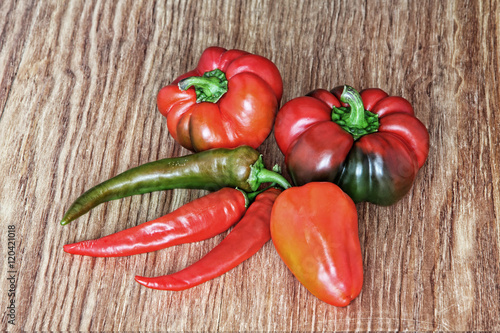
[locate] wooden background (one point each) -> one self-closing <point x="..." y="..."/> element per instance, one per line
<point x="78" y="83"/>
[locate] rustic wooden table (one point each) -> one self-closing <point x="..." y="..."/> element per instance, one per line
<point x="78" y="83"/>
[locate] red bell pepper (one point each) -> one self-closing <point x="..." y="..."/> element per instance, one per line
<point x="315" y="231"/>
<point x="246" y="238"/>
<point x="370" y="144"/>
<point x="230" y="99"/>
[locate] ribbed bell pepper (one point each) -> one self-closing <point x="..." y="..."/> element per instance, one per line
<point x="230" y="99"/>
<point x="370" y="144"/>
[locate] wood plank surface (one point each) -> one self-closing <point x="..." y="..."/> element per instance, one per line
<point x="78" y="85"/>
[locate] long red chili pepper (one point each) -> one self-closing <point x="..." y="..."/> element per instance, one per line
<point x="246" y="238"/>
<point x="198" y="220"/>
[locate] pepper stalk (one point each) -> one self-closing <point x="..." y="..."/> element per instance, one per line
<point x="354" y="119"/>
<point x="209" y="87"/>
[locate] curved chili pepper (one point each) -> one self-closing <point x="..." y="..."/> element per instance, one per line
<point x="370" y="144"/>
<point x="229" y="100"/>
<point x="246" y="238"/>
<point x="315" y="231"/>
<point x="197" y="220"/>
<point x="241" y="167"/>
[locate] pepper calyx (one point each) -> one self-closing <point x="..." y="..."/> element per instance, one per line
<point x="247" y="198"/>
<point x="260" y="175"/>
<point x="354" y="119"/>
<point x="209" y="87"/>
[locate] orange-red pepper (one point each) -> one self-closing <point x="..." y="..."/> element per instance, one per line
<point x="315" y="231"/>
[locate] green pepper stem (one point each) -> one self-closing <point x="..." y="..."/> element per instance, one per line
<point x="251" y="196"/>
<point x="268" y="176"/>
<point x="209" y="88"/>
<point x="354" y="119"/>
<point x="260" y="175"/>
<point x="357" y="116"/>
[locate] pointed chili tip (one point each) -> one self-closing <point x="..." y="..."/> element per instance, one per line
<point x="76" y="248"/>
<point x="143" y="280"/>
<point x="68" y="248"/>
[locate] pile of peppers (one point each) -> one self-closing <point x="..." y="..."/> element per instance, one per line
<point x="341" y="147"/>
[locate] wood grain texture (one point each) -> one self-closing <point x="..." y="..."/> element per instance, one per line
<point x="78" y="84"/>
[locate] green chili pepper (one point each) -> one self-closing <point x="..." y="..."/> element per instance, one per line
<point x="214" y="169"/>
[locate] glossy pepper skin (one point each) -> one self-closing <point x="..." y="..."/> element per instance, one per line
<point x="315" y="231"/>
<point x="246" y="238"/>
<point x="198" y="220"/>
<point x="230" y="99"/>
<point x="214" y="169"/>
<point x="370" y="144"/>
